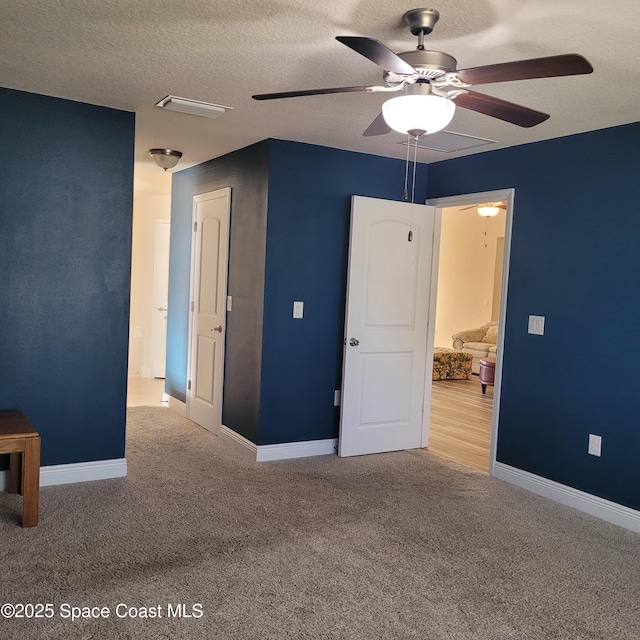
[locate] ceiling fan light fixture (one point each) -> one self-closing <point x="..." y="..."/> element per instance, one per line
<point x="428" y="113"/>
<point x="488" y="211"/>
<point x="165" y="158"/>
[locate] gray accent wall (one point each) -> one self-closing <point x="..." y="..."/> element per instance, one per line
<point x="246" y="172"/>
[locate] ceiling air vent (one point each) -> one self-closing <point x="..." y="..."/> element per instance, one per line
<point x="192" y="107"/>
<point x="448" y="142"/>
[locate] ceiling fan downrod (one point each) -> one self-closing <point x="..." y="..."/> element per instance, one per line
<point x="421" y="23"/>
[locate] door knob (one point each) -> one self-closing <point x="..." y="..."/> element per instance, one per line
<point x="353" y="342"/>
<point x="218" y="329"/>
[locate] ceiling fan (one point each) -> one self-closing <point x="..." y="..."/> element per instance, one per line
<point x="487" y="209"/>
<point x="432" y="86"/>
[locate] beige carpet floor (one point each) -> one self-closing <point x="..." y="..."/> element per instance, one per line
<point x="401" y="545"/>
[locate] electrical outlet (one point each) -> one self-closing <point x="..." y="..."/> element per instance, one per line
<point x="298" y="309"/>
<point x="336" y="398"/>
<point x="595" y="445"/>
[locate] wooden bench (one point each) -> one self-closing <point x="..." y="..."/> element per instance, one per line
<point x="22" y="442"/>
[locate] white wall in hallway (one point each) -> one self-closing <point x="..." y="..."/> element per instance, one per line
<point x="151" y="201"/>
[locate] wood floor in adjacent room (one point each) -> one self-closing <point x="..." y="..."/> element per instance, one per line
<point x="145" y="392"/>
<point x="460" y="428"/>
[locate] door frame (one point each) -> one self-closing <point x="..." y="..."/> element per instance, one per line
<point x="507" y="195"/>
<point x="198" y="198"/>
<point x="155" y="328"/>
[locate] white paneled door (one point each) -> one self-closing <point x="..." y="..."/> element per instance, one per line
<point x="208" y="307"/>
<point x="387" y="315"/>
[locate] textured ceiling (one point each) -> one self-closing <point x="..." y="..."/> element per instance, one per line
<point x="129" y="54"/>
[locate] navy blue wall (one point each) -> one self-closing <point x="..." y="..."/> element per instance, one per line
<point x="575" y="259"/>
<point x="65" y="252"/>
<point x="310" y="191"/>
<point x="245" y="171"/>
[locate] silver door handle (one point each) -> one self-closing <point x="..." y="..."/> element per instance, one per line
<point x="353" y="342"/>
<point x="218" y="329"/>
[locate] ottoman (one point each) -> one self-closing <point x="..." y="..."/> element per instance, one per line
<point x="449" y="364"/>
<point x="487" y="372"/>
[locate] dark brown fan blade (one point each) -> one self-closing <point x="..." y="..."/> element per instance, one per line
<point x="309" y="92"/>
<point x="378" y="127"/>
<point x="378" y="53"/>
<point x="569" y="64"/>
<point x="501" y="109"/>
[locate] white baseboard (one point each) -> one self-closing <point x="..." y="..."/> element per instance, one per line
<point x="288" y="450"/>
<point x="586" y="502"/>
<point x="77" y="472"/>
<point x="175" y="405"/>
<point x="271" y="452"/>
<point x="239" y="443"/>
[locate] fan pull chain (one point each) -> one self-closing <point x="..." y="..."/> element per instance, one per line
<point x="413" y="183"/>
<point x="415" y="162"/>
<point x="405" y="193"/>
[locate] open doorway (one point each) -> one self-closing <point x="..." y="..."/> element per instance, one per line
<point x="471" y="295"/>
<point x="151" y="217"/>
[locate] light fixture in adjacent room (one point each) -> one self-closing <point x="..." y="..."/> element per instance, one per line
<point x="165" y="158"/>
<point x="418" y="113"/>
<point x="192" y="107"/>
<point x="488" y="211"/>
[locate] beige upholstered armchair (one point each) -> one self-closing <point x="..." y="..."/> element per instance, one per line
<point x="480" y="343"/>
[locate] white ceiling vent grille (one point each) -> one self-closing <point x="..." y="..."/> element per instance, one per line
<point x="192" y="107"/>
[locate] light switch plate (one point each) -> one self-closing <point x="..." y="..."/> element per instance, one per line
<point x="336" y="397"/>
<point x="536" y="325"/>
<point x="229" y="303"/>
<point x="298" y="309"/>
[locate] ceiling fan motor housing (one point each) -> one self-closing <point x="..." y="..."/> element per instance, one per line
<point x="429" y="64"/>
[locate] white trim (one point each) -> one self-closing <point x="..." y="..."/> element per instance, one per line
<point x="158" y="367"/>
<point x="283" y="451"/>
<point x="507" y="195"/>
<point x="288" y="450"/>
<point x="77" y="472"/>
<point x="431" y="329"/>
<point x="175" y="405"/>
<point x="239" y="443"/>
<point x="586" y="502"/>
